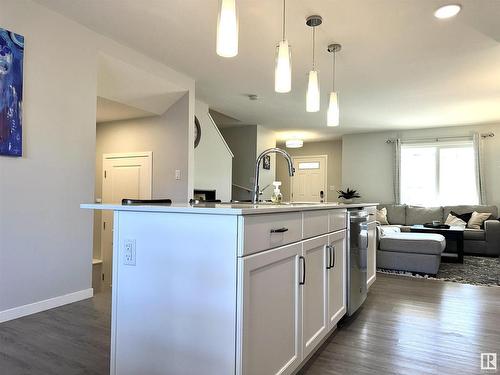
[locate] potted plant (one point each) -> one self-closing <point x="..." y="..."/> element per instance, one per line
<point x="348" y="195"/>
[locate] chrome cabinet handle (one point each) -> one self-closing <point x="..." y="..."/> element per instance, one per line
<point x="329" y="257"/>
<point x="333" y="256"/>
<point x="303" y="281"/>
<point x="280" y="230"/>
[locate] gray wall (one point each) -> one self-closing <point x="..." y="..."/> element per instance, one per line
<point x="331" y="148"/>
<point x="367" y="161"/>
<point x="45" y="238"/>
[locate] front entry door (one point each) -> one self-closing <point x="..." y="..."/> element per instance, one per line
<point x="124" y="176"/>
<point x="309" y="181"/>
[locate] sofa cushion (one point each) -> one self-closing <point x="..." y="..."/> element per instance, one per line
<point x="474" y="234"/>
<point x="465" y="209"/>
<point x="396" y="213"/>
<point x="417" y="243"/>
<point x="422" y="215"/>
<point x="381" y="216"/>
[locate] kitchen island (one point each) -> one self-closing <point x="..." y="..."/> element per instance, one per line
<point x="225" y="288"/>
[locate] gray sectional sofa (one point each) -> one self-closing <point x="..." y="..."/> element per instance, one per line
<point x="476" y="241"/>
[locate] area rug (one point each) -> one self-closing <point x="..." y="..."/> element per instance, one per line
<point x="474" y="271"/>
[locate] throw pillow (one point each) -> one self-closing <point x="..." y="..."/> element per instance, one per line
<point x="455" y="221"/>
<point x="465" y="217"/>
<point x="381" y="216"/>
<point x="477" y="219"/>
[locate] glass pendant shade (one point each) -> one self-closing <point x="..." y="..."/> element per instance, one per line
<point x="332" y="116"/>
<point x="312" y="96"/>
<point x="227" y="29"/>
<point x="283" y="71"/>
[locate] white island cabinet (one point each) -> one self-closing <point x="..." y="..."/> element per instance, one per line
<point x="225" y="289"/>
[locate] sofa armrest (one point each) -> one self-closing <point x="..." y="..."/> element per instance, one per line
<point x="492" y="236"/>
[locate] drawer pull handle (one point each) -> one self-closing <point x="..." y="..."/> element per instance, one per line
<point x="280" y="230"/>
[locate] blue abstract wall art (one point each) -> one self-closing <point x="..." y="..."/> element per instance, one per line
<point x="11" y="92"/>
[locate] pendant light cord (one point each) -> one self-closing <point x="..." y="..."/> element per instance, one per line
<point x="334" y="64"/>
<point x="314" y="39"/>
<point x="284" y="20"/>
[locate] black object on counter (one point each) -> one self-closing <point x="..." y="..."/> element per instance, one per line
<point x="131" y="202"/>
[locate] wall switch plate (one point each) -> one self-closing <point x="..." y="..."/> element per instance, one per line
<point x="332" y="188"/>
<point x="129" y="253"/>
<point x="177" y="174"/>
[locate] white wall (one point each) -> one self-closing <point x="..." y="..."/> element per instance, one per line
<point x="46" y="239"/>
<point x="212" y="158"/>
<point x="367" y="161"/>
<point x="266" y="139"/>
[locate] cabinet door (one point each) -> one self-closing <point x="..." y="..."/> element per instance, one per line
<point x="314" y="293"/>
<point x="337" y="278"/>
<point x="371" y="272"/>
<point x="269" y="312"/>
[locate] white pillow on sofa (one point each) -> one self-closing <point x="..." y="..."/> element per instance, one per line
<point x="455" y="221"/>
<point x="381" y="216"/>
<point x="477" y="219"/>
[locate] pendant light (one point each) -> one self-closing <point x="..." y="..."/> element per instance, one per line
<point x="332" y="116"/>
<point x="227" y="29"/>
<point x="283" y="71"/>
<point x="313" y="96"/>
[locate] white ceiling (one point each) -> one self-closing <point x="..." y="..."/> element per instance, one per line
<point x="109" y="110"/>
<point x="399" y="66"/>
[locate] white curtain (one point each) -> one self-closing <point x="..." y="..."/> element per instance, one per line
<point x="478" y="153"/>
<point x="397" y="171"/>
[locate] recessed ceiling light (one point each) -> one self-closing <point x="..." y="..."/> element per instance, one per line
<point x="294" y="143"/>
<point x="447" y="11"/>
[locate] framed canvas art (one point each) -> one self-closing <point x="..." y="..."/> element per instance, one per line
<point x="11" y="92"/>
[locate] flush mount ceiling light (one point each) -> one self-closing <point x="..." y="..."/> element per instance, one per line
<point x="227" y="29"/>
<point x="447" y="11"/>
<point x="283" y="71"/>
<point x="312" y="95"/>
<point x="333" y="114"/>
<point x="294" y="143"/>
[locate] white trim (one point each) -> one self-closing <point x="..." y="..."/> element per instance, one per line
<point x="120" y="155"/>
<point x="294" y="157"/>
<point x="220" y="134"/>
<point x="36" y="307"/>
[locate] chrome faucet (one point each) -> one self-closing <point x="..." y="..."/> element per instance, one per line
<point x="275" y="150"/>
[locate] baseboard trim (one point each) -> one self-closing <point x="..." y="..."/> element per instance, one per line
<point x="36" y="307"/>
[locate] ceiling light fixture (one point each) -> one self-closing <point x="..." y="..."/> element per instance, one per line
<point x="447" y="11"/>
<point x="312" y="95"/>
<point x="227" y="29"/>
<point x="333" y="114"/>
<point x="283" y="71"/>
<point x="294" y="143"/>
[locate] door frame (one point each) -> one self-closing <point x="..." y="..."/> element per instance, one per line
<point x="297" y="168"/>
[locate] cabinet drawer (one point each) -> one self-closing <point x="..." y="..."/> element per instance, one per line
<point x="315" y="223"/>
<point x="372" y="213"/>
<point x="338" y="219"/>
<point x="262" y="232"/>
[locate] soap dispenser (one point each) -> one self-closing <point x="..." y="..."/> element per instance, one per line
<point x="277" y="196"/>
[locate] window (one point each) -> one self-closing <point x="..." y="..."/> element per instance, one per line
<point x="438" y="174"/>
<point x="309" y="165"/>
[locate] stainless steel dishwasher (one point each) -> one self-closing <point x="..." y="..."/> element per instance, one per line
<point x="357" y="241"/>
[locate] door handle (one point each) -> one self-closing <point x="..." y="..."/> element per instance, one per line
<point x="329" y="257"/>
<point x="333" y="256"/>
<point x="303" y="281"/>
<point x="280" y="230"/>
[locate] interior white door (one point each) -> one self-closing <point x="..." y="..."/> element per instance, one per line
<point x="309" y="181"/>
<point x="127" y="175"/>
<point x="314" y="294"/>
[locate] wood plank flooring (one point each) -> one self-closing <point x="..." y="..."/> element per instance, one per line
<point x="407" y="326"/>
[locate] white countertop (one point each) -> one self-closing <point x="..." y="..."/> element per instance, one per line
<point x="225" y="208"/>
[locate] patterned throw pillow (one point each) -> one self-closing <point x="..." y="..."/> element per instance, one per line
<point x="477" y="219"/>
<point x="465" y="217"/>
<point x="455" y="221"/>
<point x="381" y="216"/>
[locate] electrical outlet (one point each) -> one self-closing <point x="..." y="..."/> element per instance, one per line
<point x="177" y="174"/>
<point x="129" y="253"/>
<point x="332" y="188"/>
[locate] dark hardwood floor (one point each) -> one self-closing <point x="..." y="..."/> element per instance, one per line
<point x="407" y="326"/>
